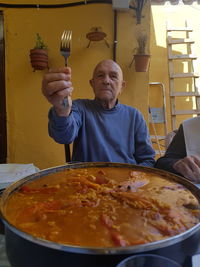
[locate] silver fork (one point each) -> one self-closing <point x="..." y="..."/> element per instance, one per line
<point x="65" y="47"/>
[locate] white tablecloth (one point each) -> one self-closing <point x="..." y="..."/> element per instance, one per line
<point x="12" y="172"/>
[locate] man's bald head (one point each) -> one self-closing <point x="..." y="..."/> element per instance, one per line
<point x="111" y="63"/>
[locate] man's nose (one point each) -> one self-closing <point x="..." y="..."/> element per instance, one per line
<point x="106" y="79"/>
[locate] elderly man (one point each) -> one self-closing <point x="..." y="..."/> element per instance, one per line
<point x="183" y="154"/>
<point x="101" y="129"/>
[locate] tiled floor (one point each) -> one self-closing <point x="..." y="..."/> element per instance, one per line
<point x="3" y="258"/>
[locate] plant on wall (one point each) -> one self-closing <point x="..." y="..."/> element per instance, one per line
<point x="39" y="54"/>
<point x="140" y="57"/>
<point x="39" y="42"/>
<point x="142" y="42"/>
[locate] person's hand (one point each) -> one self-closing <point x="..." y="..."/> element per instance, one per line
<point x="56" y="86"/>
<point x="189" y="167"/>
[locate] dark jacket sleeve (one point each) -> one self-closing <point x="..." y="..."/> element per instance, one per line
<point x="175" y="152"/>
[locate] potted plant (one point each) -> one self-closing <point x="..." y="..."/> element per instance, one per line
<point x="140" y="58"/>
<point x="39" y="54"/>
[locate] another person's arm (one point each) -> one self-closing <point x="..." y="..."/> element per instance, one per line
<point x="175" y="152"/>
<point x="189" y="167"/>
<point x="176" y="160"/>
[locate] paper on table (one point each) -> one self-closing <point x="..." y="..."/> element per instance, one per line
<point x="3" y="256"/>
<point x="12" y="172"/>
<point x="195" y="260"/>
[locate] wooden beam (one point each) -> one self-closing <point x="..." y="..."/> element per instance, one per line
<point x="3" y="130"/>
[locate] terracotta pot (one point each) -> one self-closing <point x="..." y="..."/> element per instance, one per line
<point x="95" y="36"/>
<point x="39" y="59"/>
<point x="141" y="63"/>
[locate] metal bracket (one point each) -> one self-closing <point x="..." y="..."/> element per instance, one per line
<point x="138" y="6"/>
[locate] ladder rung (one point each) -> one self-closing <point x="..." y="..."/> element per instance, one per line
<point x="179" y="29"/>
<point x="160" y="137"/>
<point x="185" y="94"/>
<point x="186" y="56"/>
<point x="179" y="40"/>
<point x="158" y="152"/>
<point x="185" y="112"/>
<point x="184" y="75"/>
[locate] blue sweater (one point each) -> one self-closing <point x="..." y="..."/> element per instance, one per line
<point x="116" y="135"/>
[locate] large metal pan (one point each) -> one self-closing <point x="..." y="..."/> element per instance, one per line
<point x="25" y="250"/>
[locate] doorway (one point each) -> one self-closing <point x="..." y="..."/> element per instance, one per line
<point x="3" y="130"/>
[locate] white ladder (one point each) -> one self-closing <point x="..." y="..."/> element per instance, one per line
<point x="158" y="118"/>
<point x="190" y="91"/>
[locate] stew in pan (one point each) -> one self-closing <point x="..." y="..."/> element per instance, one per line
<point x="102" y="207"/>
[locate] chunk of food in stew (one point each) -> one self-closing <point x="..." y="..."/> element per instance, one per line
<point x="102" y="207"/>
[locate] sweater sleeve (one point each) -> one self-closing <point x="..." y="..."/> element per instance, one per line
<point x="64" y="129"/>
<point x="175" y="152"/>
<point x="144" y="152"/>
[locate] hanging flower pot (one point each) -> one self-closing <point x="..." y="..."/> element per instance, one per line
<point x="39" y="55"/>
<point x="95" y="35"/>
<point x="141" y="63"/>
<point x="39" y="58"/>
<point x="141" y="59"/>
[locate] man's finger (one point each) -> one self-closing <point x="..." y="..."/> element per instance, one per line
<point x="66" y="70"/>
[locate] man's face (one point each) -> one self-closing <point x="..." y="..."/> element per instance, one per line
<point x="107" y="81"/>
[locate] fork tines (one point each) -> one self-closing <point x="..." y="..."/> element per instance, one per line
<point x="65" y="46"/>
<point x="66" y="40"/>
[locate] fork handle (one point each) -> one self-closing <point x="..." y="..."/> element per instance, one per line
<point x="65" y="100"/>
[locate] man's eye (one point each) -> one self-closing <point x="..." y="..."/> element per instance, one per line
<point x="100" y="75"/>
<point x="114" y="76"/>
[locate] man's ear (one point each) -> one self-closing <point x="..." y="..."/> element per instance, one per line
<point x="123" y="86"/>
<point x="91" y="82"/>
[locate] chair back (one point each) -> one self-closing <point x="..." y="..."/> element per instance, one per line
<point x="67" y="153"/>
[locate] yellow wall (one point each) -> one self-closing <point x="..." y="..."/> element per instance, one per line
<point x="27" y="109"/>
<point x="176" y="15"/>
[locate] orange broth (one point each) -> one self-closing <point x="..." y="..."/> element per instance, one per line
<point x="102" y="207"/>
